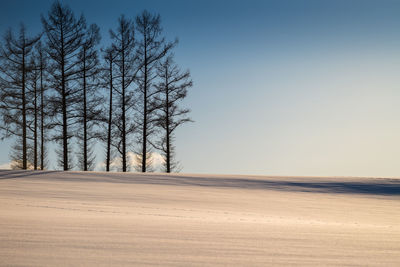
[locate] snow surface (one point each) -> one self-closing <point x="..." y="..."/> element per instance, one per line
<point x="54" y="218"/>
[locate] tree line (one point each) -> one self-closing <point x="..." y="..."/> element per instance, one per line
<point x="60" y="86"/>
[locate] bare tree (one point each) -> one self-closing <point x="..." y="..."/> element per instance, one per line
<point x="37" y="112"/>
<point x="36" y="115"/>
<point x="125" y="71"/>
<point x="14" y="66"/>
<point x="64" y="39"/>
<point x="41" y="58"/>
<point x="108" y="78"/>
<point x="33" y="109"/>
<point x="88" y="110"/>
<point x="151" y="48"/>
<point x="172" y="90"/>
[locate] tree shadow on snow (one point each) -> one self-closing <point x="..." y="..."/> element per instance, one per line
<point x="384" y="187"/>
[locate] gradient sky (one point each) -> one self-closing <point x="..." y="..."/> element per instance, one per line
<point x="280" y="87"/>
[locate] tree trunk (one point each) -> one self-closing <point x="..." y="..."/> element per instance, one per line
<point x="24" y="146"/>
<point x="168" y="142"/>
<point x="168" y="158"/>
<point x="123" y="115"/>
<point x="108" y="160"/>
<point x="85" y="156"/>
<point x="41" y="118"/>
<point x="35" y="143"/>
<point x="64" y="107"/>
<point x="144" y="152"/>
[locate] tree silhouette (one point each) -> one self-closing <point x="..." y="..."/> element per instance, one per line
<point x="64" y="39"/>
<point x="125" y="68"/>
<point x="33" y="108"/>
<point x="89" y="100"/>
<point x="151" y="48"/>
<point x="14" y="67"/>
<point x="41" y="59"/>
<point x="108" y="78"/>
<point x="172" y="90"/>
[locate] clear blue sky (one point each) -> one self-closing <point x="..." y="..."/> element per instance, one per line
<point x="280" y="87"/>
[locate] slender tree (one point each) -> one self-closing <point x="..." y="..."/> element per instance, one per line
<point x="64" y="39"/>
<point x="42" y="65"/>
<point x="36" y="117"/>
<point x="172" y="90"/>
<point x="14" y="67"/>
<point x="33" y="108"/>
<point x="88" y="112"/>
<point x="152" y="47"/>
<point x="125" y="73"/>
<point x="109" y="56"/>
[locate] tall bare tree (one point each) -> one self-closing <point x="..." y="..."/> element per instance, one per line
<point x="37" y="112"/>
<point x="14" y="67"/>
<point x="64" y="39"/>
<point x="151" y="48"/>
<point x="33" y="108"/>
<point x="108" y="78"/>
<point x="88" y="110"/>
<point x="172" y="90"/>
<point x="125" y="72"/>
<point x="42" y="66"/>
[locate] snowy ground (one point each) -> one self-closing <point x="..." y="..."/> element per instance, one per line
<point x="81" y="219"/>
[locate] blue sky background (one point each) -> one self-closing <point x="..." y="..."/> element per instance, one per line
<point x="280" y="87"/>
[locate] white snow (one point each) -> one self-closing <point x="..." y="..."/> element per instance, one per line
<point x="97" y="219"/>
